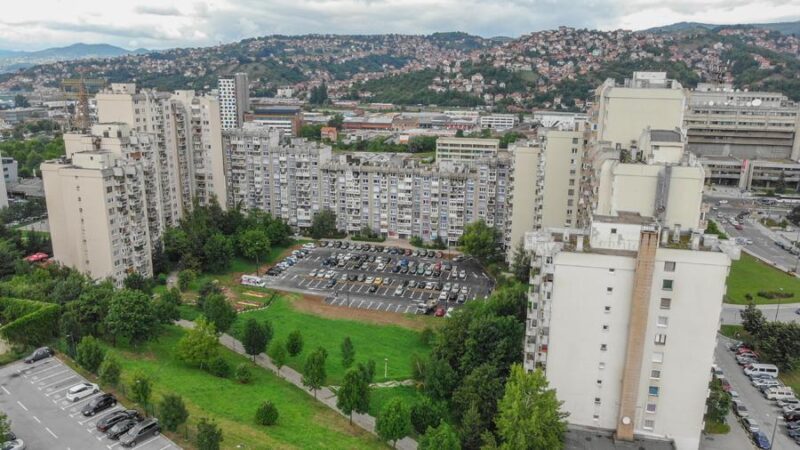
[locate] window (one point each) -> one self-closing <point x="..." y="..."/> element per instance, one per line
<point x="669" y="266"/>
<point x="666" y="285"/>
<point x="655" y="374"/>
<point x="666" y="303"/>
<point x="597" y="400"/>
<point x="599" y="382"/>
<point x="653" y="391"/>
<point x="605" y="327"/>
<point x="611" y="270"/>
<point x="649" y="424"/>
<point x="603" y="347"/>
<point x="596" y="417"/>
<point x="602" y="365"/>
<point x="651" y="408"/>
<point x="609" y="290"/>
<point x="658" y="357"/>
<point x="608" y="309"/>
<point x="613" y="231"/>
<point x="661" y="339"/>
<point x="663" y="321"/>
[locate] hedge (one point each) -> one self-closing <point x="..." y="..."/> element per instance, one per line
<point x="28" y="322"/>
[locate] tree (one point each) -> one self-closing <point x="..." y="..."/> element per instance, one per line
<point x="393" y="422"/>
<point x="529" y="414"/>
<point x="21" y="102"/>
<point x="110" y="370"/>
<point x="209" y="435"/>
<point x="243" y="374"/>
<point x="294" y="343"/>
<point x="780" y="185"/>
<point x="425" y="413"/>
<point x="482" y="242"/>
<point x="521" y="263"/>
<point x="140" y="388"/>
<point x="267" y="414"/>
<point x="440" y="379"/>
<point x="472" y="428"/>
<point x="199" y="345"/>
<point x="255" y="337"/>
<point x="318" y="95"/>
<point x="172" y="412"/>
<point x="348" y="352"/>
<point x="718" y="402"/>
<point x="314" y="370"/>
<point x="136" y="282"/>
<point x="219" y="367"/>
<point x="277" y="353"/>
<point x="459" y="133"/>
<point x="185" y="278"/>
<point x="753" y="320"/>
<point x="353" y="396"/>
<point x="131" y="316"/>
<point x="483" y="386"/>
<point x="323" y="224"/>
<point x="90" y="355"/>
<point x="219" y="311"/>
<point x="5" y="424"/>
<point x="217" y="253"/>
<point x="252" y="244"/>
<point x="166" y="306"/>
<point x="336" y="121"/>
<point x="9" y="256"/>
<point x="442" y="437"/>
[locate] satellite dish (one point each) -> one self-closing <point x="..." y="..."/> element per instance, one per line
<point x="710" y="103"/>
<point x="757" y="102"/>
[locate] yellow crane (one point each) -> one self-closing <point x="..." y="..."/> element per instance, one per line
<point x="78" y="89"/>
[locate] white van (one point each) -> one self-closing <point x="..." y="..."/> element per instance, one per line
<point x="779" y="393"/>
<point x="768" y="369"/>
<point x="252" y="280"/>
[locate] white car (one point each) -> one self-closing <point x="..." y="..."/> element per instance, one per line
<point x="309" y="246"/>
<point x="81" y="391"/>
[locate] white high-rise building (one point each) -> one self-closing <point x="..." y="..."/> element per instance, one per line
<point x="234" y="99"/>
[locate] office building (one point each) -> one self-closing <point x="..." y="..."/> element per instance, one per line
<point x="234" y="100"/>
<point x="289" y="119"/>
<point x="499" y="121"/>
<point x="465" y="150"/>
<point x="10" y="170"/>
<point x="96" y="205"/>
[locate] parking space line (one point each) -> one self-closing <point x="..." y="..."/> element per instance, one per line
<point x="378" y="308"/>
<point x="57" y="391"/>
<point x="23" y="406"/>
<point x="80" y="402"/>
<point x="359" y="305"/>
<point x="370" y="305"/>
<point x="147" y="442"/>
<point x="57" y="382"/>
<point x="51" y="432"/>
<point x="36" y="419"/>
<point x="107" y="413"/>
<point x="36" y="379"/>
<point x="5" y="390"/>
<point x="41" y="371"/>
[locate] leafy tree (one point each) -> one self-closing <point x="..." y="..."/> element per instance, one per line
<point x="243" y="374"/>
<point x="314" y="370"/>
<point x="336" y="121"/>
<point x="166" y="306"/>
<point x="252" y="244"/>
<point x="9" y="255"/>
<point x="521" y="263"/>
<point x="219" y="311"/>
<point x="131" y="316"/>
<point x="199" y="345"/>
<point x="459" y="133"/>
<point x="294" y="343"/>
<point x="5" y="424"/>
<point x="483" y="386"/>
<point x="218" y="253"/>
<point x="394" y="422"/>
<point x="219" y="367"/>
<point x="323" y="225"/>
<point x="177" y="244"/>
<point x="440" y="379"/>
<point x="136" y="282"/>
<point x="780" y="185"/>
<point x="442" y="437"/>
<point x="172" y="412"/>
<point x="255" y="337"/>
<point x="110" y="370"/>
<point x="140" y="388"/>
<point x="209" y="435"/>
<point x="185" y="278"/>
<point x="472" y="428"/>
<point x="718" y="402"/>
<point x="90" y="354"/>
<point x="482" y="242"/>
<point x="425" y="414"/>
<point x="779" y="343"/>
<point x="753" y="319"/>
<point x="21" y="102"/>
<point x="318" y="94"/>
<point x="267" y="414"/>
<point x="530" y="415"/>
<point x="278" y="354"/>
<point x="348" y="352"/>
<point x="353" y="396"/>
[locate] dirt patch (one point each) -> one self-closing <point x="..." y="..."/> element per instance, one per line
<point x="254" y="294"/>
<point x="315" y="305"/>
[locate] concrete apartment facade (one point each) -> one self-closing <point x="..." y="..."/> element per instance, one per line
<point x="96" y="206"/>
<point x="465" y="150"/>
<point x="234" y="99"/>
<point x="499" y="121"/>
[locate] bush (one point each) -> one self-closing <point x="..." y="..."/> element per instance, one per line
<point x="267" y="414"/>
<point x="219" y="367"/>
<point x="426" y="336"/>
<point x="162" y="279"/>
<point x="771" y="295"/>
<point x="110" y="370"/>
<point x="294" y="343"/>
<point x="185" y="277"/>
<point x="243" y="374"/>
<point x="90" y="354"/>
<point x="425" y="413"/>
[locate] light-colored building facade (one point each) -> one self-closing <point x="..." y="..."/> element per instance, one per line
<point x="234" y="99"/>
<point x="10" y="170"/>
<point x="465" y="150"/>
<point x="96" y="205"/>
<point x="499" y="121"/>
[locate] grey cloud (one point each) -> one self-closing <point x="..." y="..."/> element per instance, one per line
<point x="158" y="10"/>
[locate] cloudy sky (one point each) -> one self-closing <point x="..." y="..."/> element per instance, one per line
<point x="36" y="24"/>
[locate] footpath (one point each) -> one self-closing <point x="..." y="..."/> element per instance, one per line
<point x="324" y="395"/>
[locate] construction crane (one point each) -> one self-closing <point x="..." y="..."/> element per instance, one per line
<point x="78" y="89"/>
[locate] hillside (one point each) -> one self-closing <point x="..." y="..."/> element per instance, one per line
<point x="12" y="60"/>
<point x="781" y="27"/>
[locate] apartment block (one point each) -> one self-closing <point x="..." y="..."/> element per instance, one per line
<point x="234" y="99"/>
<point x="465" y="150"/>
<point x="97" y="205"/>
<point x="499" y="121"/>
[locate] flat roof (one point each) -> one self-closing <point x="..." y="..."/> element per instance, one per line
<point x="665" y="136"/>
<point x="587" y="439"/>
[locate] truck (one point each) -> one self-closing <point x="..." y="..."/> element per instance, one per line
<point x="426" y="306"/>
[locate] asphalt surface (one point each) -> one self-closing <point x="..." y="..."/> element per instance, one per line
<point x="33" y="397"/>
<point x="354" y="294"/>
<point x="765" y="412"/>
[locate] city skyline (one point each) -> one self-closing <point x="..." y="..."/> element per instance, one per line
<point x="187" y="23"/>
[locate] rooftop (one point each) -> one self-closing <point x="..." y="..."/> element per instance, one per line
<point x="586" y="439"/>
<point x="665" y="136"/>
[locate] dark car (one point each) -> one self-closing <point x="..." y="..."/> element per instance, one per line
<point x="761" y="440"/>
<point x="39" y="354"/>
<point x="99" y="403"/>
<point x="121" y="428"/>
<point x="140" y="432"/>
<point x="792" y="416"/>
<point x="115" y="417"/>
<point x="373" y="288"/>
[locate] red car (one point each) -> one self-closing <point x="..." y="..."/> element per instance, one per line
<point x="440" y="312"/>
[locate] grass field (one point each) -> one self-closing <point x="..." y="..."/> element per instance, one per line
<point x="731" y="331"/>
<point x="371" y="341"/>
<point x="380" y="396"/>
<point x="749" y="275"/>
<point x="303" y="422"/>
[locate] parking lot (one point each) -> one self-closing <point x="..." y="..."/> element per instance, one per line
<point x="370" y="279"/>
<point x="33" y="396"/>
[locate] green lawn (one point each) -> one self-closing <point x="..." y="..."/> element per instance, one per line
<point x="303" y="422"/>
<point x="732" y="331"/>
<point x="375" y="342"/>
<point x="749" y="275"/>
<point x="380" y="396"/>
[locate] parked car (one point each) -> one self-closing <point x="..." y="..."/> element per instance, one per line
<point x="750" y="424"/>
<point x="440" y="312"/>
<point x="140" y="432"/>
<point x="15" y="444"/>
<point x="121" y="428"/>
<point x="372" y="288"/>
<point x="81" y="391"/>
<point x="112" y="419"/>
<point x="761" y="440"/>
<point x="398" y="291"/>
<point x="39" y="354"/>
<point x="99" y="403"/>
<point x="740" y="409"/>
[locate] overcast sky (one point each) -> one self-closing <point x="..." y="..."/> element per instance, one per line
<point x="37" y="24"/>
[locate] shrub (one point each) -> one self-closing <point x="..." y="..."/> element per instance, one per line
<point x="426" y="336"/>
<point x="267" y="414"/>
<point x="219" y="367"/>
<point x="425" y="413"/>
<point x="90" y="354"/>
<point x="294" y="343"/>
<point x="771" y="295"/>
<point x="110" y="370"/>
<point x="185" y="277"/>
<point x="243" y="374"/>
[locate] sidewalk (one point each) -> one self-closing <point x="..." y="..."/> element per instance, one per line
<point x="324" y="395"/>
